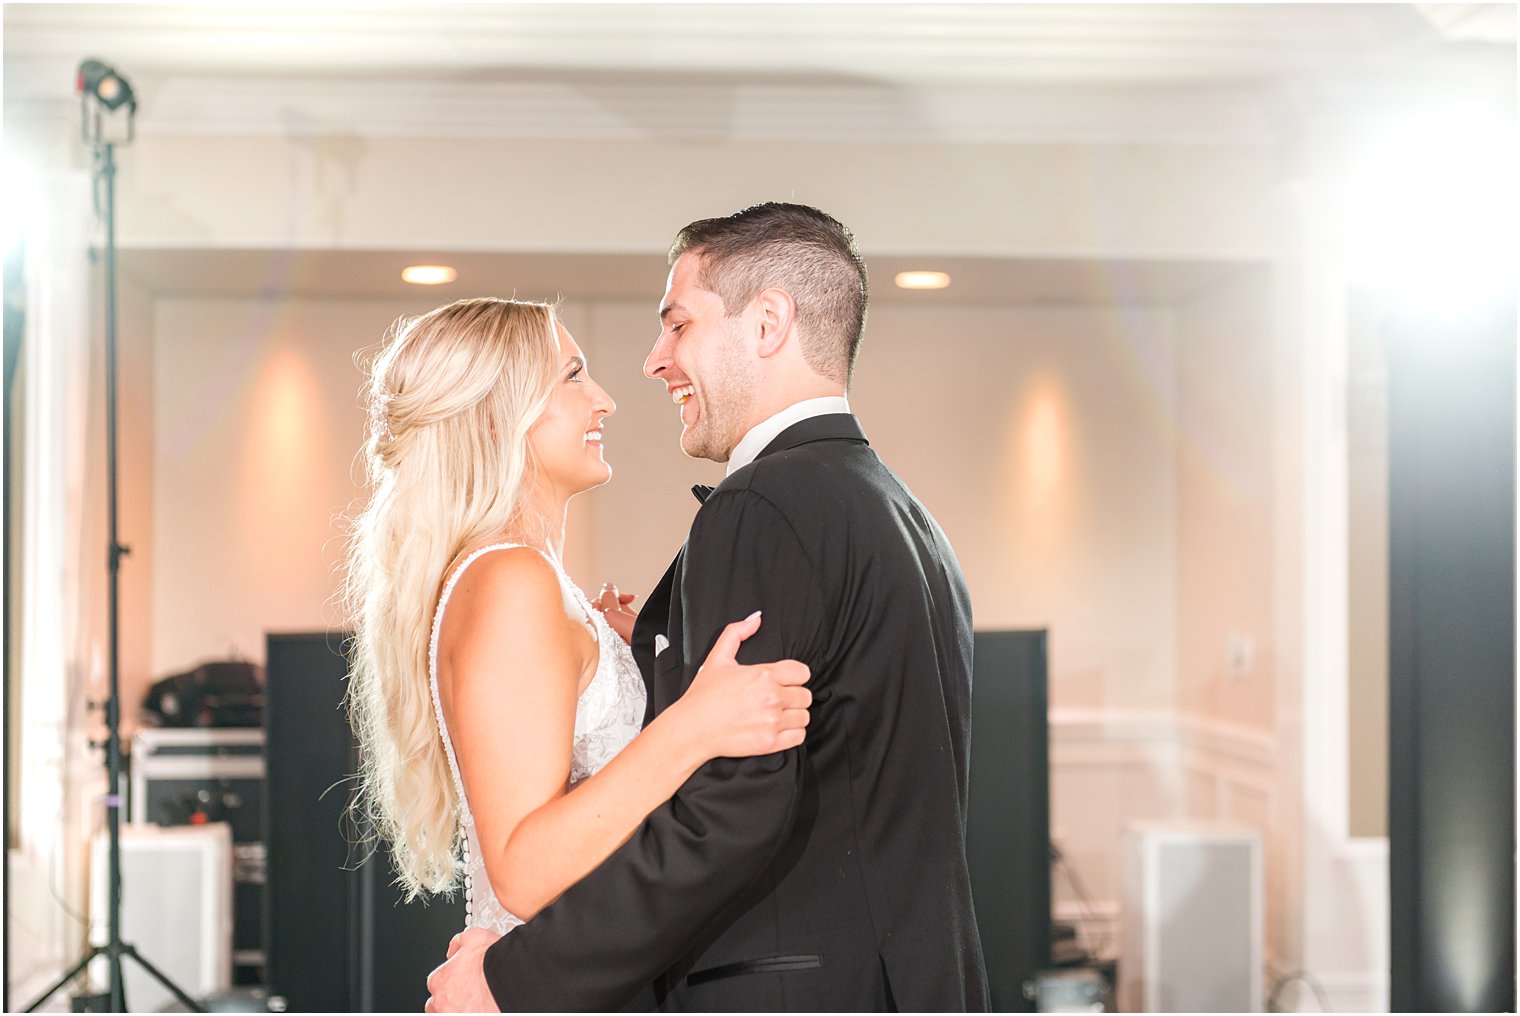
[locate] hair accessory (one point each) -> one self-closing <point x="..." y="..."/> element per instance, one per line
<point x="380" y="419"/>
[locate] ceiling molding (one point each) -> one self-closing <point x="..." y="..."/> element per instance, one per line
<point x="1472" y="22"/>
<point x="872" y="42"/>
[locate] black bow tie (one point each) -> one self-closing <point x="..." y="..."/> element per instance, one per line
<point x="702" y="492"/>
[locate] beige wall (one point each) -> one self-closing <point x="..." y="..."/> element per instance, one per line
<point x="627" y="531"/>
<point x="256" y="425"/>
<point x="1367" y="582"/>
<point x="1227" y="653"/>
<point x="1224" y="505"/>
<point x="136" y="394"/>
<point x="1042" y="439"/>
<point x="516" y="194"/>
<point x="256" y="435"/>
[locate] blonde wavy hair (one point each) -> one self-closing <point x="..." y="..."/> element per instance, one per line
<point x="451" y="395"/>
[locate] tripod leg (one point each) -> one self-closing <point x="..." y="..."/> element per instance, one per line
<point x="74" y="972"/>
<point x="158" y="975"/>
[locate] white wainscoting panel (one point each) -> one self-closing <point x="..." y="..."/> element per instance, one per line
<point x="1110" y="769"/>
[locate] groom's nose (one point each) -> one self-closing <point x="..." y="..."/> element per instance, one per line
<point x="659" y="357"/>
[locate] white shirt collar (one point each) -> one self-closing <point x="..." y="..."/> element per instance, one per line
<point x="763" y="433"/>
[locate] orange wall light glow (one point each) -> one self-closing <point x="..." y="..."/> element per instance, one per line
<point x="1043" y="444"/>
<point x="1040" y="468"/>
<point x="287" y="456"/>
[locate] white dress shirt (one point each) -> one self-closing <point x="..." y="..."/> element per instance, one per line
<point x="763" y="433"/>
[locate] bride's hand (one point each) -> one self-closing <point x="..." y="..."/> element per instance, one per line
<point x="739" y="710"/>
<point x="614" y="607"/>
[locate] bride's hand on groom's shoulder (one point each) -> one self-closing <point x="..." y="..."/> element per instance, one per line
<point x="740" y="710"/>
<point x="459" y="985"/>
<point x="614" y="607"/>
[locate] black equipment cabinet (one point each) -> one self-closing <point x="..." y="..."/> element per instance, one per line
<point x="340" y="937"/>
<point x="1008" y="834"/>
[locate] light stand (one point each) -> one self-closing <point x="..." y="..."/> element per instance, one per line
<point x="101" y="88"/>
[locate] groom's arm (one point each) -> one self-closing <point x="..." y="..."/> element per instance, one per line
<point x="611" y="934"/>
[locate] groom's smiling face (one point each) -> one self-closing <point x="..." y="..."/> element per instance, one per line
<point x="703" y="360"/>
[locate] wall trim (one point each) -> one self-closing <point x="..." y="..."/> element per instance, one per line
<point x="1236" y="744"/>
<point x="1346" y="992"/>
<point x="1112" y="725"/>
<point x="1193" y="761"/>
<point x="1246" y="744"/>
<point x="1222" y="762"/>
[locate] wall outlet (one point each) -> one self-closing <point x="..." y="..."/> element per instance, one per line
<point x="1240" y="655"/>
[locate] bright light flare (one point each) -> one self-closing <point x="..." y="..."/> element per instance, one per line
<point x="428" y="275"/>
<point x="1430" y="210"/>
<point x="21" y="203"/>
<point x="922" y="280"/>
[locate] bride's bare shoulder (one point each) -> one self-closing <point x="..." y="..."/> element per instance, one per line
<point x="503" y="580"/>
<point x="509" y="599"/>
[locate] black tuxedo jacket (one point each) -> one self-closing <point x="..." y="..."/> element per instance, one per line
<point x="828" y="877"/>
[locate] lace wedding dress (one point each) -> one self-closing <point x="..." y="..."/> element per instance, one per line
<point x="608" y="714"/>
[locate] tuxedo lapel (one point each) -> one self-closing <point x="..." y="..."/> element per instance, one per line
<point x="655" y="622"/>
<point x="654" y="619"/>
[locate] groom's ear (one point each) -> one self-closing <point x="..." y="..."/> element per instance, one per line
<point x="777" y="317"/>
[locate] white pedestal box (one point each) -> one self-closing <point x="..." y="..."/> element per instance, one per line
<point x="1192" y="924"/>
<point x="176" y="909"/>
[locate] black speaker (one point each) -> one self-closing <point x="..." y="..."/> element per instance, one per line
<point x="1008" y="827"/>
<point x="340" y="937"/>
<point x="1451" y="641"/>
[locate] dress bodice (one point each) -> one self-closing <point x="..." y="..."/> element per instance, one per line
<point x="608" y="714"/>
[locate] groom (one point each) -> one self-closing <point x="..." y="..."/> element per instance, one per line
<point x="831" y="876"/>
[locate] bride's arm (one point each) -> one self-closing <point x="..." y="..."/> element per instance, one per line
<point x="510" y="663"/>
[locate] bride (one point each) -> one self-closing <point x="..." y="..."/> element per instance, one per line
<point x="486" y="687"/>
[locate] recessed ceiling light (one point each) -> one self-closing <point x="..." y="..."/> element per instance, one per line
<point x="429" y="275"/>
<point x="922" y="280"/>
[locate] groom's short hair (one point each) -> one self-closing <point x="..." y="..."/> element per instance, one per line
<point x="793" y="247"/>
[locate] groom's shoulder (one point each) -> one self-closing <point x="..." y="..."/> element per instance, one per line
<point x="807" y="479"/>
<point x="803" y="467"/>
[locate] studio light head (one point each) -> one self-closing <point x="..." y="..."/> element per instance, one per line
<point x="100" y="83"/>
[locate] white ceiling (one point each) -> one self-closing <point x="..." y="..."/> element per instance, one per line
<point x="865" y="72"/>
<point x="901" y="43"/>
